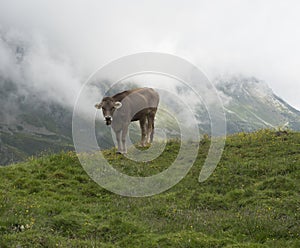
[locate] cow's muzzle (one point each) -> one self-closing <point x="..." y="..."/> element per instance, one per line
<point x="108" y="120"/>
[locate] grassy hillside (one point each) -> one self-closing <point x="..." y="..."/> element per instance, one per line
<point x="251" y="200"/>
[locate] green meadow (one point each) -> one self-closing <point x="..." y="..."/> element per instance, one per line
<point x="251" y="200"/>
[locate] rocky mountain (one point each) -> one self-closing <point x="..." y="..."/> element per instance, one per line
<point x="250" y="105"/>
<point x="29" y="125"/>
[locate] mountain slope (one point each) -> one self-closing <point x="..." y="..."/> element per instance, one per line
<point x="251" y="200"/>
<point x="30" y="125"/>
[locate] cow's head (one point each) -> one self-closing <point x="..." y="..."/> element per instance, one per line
<point x="108" y="105"/>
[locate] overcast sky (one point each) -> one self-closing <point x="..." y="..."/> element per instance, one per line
<point x="68" y="40"/>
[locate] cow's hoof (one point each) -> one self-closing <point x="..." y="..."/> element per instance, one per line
<point x="146" y="145"/>
<point x="121" y="152"/>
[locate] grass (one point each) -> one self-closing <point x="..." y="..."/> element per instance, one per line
<point x="251" y="200"/>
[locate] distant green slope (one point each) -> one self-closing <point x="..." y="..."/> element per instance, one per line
<point x="19" y="146"/>
<point x="251" y="200"/>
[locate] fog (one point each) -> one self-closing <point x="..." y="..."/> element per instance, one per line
<point x="51" y="47"/>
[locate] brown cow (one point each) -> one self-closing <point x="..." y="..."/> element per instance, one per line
<point x="131" y="105"/>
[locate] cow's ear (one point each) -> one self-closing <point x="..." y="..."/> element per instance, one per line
<point x="98" y="105"/>
<point x="118" y="105"/>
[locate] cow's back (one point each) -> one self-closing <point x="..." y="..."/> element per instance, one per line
<point x="150" y="95"/>
<point x="137" y="103"/>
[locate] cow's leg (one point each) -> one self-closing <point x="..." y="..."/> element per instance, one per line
<point x="118" y="137"/>
<point x="143" y="125"/>
<point x="124" y="134"/>
<point x="150" y="134"/>
<point x="149" y="128"/>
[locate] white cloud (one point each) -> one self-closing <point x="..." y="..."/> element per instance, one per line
<point x="255" y="38"/>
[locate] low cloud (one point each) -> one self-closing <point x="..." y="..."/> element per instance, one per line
<point x="51" y="47"/>
<point x="29" y="62"/>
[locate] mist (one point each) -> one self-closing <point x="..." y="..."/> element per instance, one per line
<point x="51" y="47"/>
